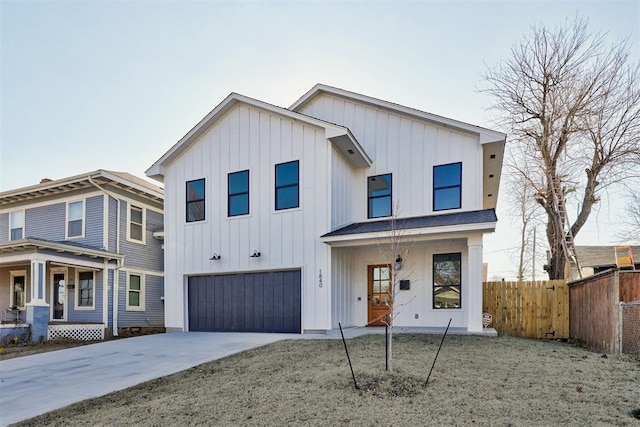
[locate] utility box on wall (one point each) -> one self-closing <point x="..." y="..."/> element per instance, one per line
<point x="405" y="285"/>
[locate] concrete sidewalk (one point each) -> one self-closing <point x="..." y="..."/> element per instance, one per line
<point x="34" y="385"/>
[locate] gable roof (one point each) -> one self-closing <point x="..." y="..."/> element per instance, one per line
<point x="492" y="142"/>
<point x="486" y="135"/>
<point x="100" y="177"/>
<point x="601" y="256"/>
<point x="339" y="135"/>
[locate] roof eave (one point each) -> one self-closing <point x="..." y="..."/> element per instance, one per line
<point x="411" y="234"/>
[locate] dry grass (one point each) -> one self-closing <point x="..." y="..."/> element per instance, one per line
<point x="11" y="347"/>
<point x="476" y="381"/>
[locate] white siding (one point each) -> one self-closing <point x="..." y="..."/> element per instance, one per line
<point x="254" y="139"/>
<point x="350" y="282"/>
<point x="406" y="147"/>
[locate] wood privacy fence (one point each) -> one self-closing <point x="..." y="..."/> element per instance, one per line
<point x="528" y="309"/>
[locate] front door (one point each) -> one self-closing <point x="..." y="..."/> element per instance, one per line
<point x="59" y="296"/>
<point x="379" y="294"/>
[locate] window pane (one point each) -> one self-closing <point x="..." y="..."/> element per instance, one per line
<point x="195" y="211"/>
<point x="75" y="211"/>
<point x="195" y="190"/>
<point x="447" y="198"/>
<point x="239" y="205"/>
<point x="136" y="215"/>
<point x="447" y="175"/>
<point x="379" y="185"/>
<point x="446" y="280"/>
<point x="75" y="228"/>
<point x="134" y="282"/>
<point x="287" y="197"/>
<point x="380" y="207"/>
<point x="239" y="182"/>
<point x="16" y="233"/>
<point x="136" y="232"/>
<point x="287" y="174"/>
<point x="134" y="298"/>
<point x="17" y="219"/>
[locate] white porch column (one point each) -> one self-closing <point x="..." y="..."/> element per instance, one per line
<point x="474" y="321"/>
<point x="38" y="281"/>
<point x="37" y="308"/>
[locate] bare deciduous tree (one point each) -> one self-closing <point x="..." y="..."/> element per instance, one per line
<point x="394" y="247"/>
<point x="572" y="107"/>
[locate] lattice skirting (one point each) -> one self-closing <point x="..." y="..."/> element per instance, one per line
<point x="77" y="332"/>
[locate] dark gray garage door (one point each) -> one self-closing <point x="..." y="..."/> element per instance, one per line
<point x="245" y="302"/>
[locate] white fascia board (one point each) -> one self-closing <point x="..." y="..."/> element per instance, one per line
<point x="131" y="184"/>
<point x="349" y="146"/>
<point x="412" y="234"/>
<point x="59" y="247"/>
<point x="50" y="184"/>
<point x="227" y="104"/>
<point x="486" y="135"/>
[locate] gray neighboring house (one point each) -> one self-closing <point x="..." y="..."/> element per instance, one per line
<point x="82" y="257"/>
<point x="596" y="259"/>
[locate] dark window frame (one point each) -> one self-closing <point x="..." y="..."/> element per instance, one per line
<point x="86" y="295"/>
<point x="447" y="187"/>
<point x="443" y="257"/>
<point x="189" y="202"/>
<point x="370" y="198"/>
<point x="231" y="195"/>
<point x="296" y="184"/>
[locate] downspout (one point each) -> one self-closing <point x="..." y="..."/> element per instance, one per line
<point x="116" y="271"/>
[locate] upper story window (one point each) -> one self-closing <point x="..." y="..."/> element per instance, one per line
<point x="195" y="200"/>
<point x="85" y="289"/>
<point x="447" y="270"/>
<point x="447" y="186"/>
<point x="136" y="224"/>
<point x="16" y="226"/>
<point x="238" y="193"/>
<point x="287" y="185"/>
<point x="75" y="219"/>
<point x="379" y="196"/>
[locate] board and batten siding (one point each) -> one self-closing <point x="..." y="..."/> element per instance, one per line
<point x="250" y="138"/>
<point x="407" y="147"/>
<point x="344" y="190"/>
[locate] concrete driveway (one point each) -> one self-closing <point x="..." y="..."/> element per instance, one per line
<point x="33" y="385"/>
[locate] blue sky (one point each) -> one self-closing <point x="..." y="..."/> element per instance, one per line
<point x="113" y="85"/>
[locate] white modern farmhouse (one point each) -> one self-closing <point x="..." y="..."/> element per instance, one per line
<point x="276" y="219"/>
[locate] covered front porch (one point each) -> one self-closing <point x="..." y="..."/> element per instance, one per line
<point x="55" y="289"/>
<point x="429" y="269"/>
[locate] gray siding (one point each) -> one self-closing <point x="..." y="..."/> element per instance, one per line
<point x="4" y="227"/>
<point x="94" y="315"/>
<point x="48" y="222"/>
<point x="94" y="225"/>
<point x="149" y="256"/>
<point x="154" y="306"/>
<point x="113" y="224"/>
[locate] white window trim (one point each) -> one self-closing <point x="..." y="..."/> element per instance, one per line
<point x="11" y="225"/>
<point x="142" y="292"/>
<point x="17" y="273"/>
<point x="84" y="218"/>
<point x="76" y="299"/>
<point x="144" y="224"/>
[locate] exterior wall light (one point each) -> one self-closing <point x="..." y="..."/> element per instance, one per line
<point x="256" y="254"/>
<point x="215" y="257"/>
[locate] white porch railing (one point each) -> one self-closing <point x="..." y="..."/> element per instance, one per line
<point x="88" y="332"/>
